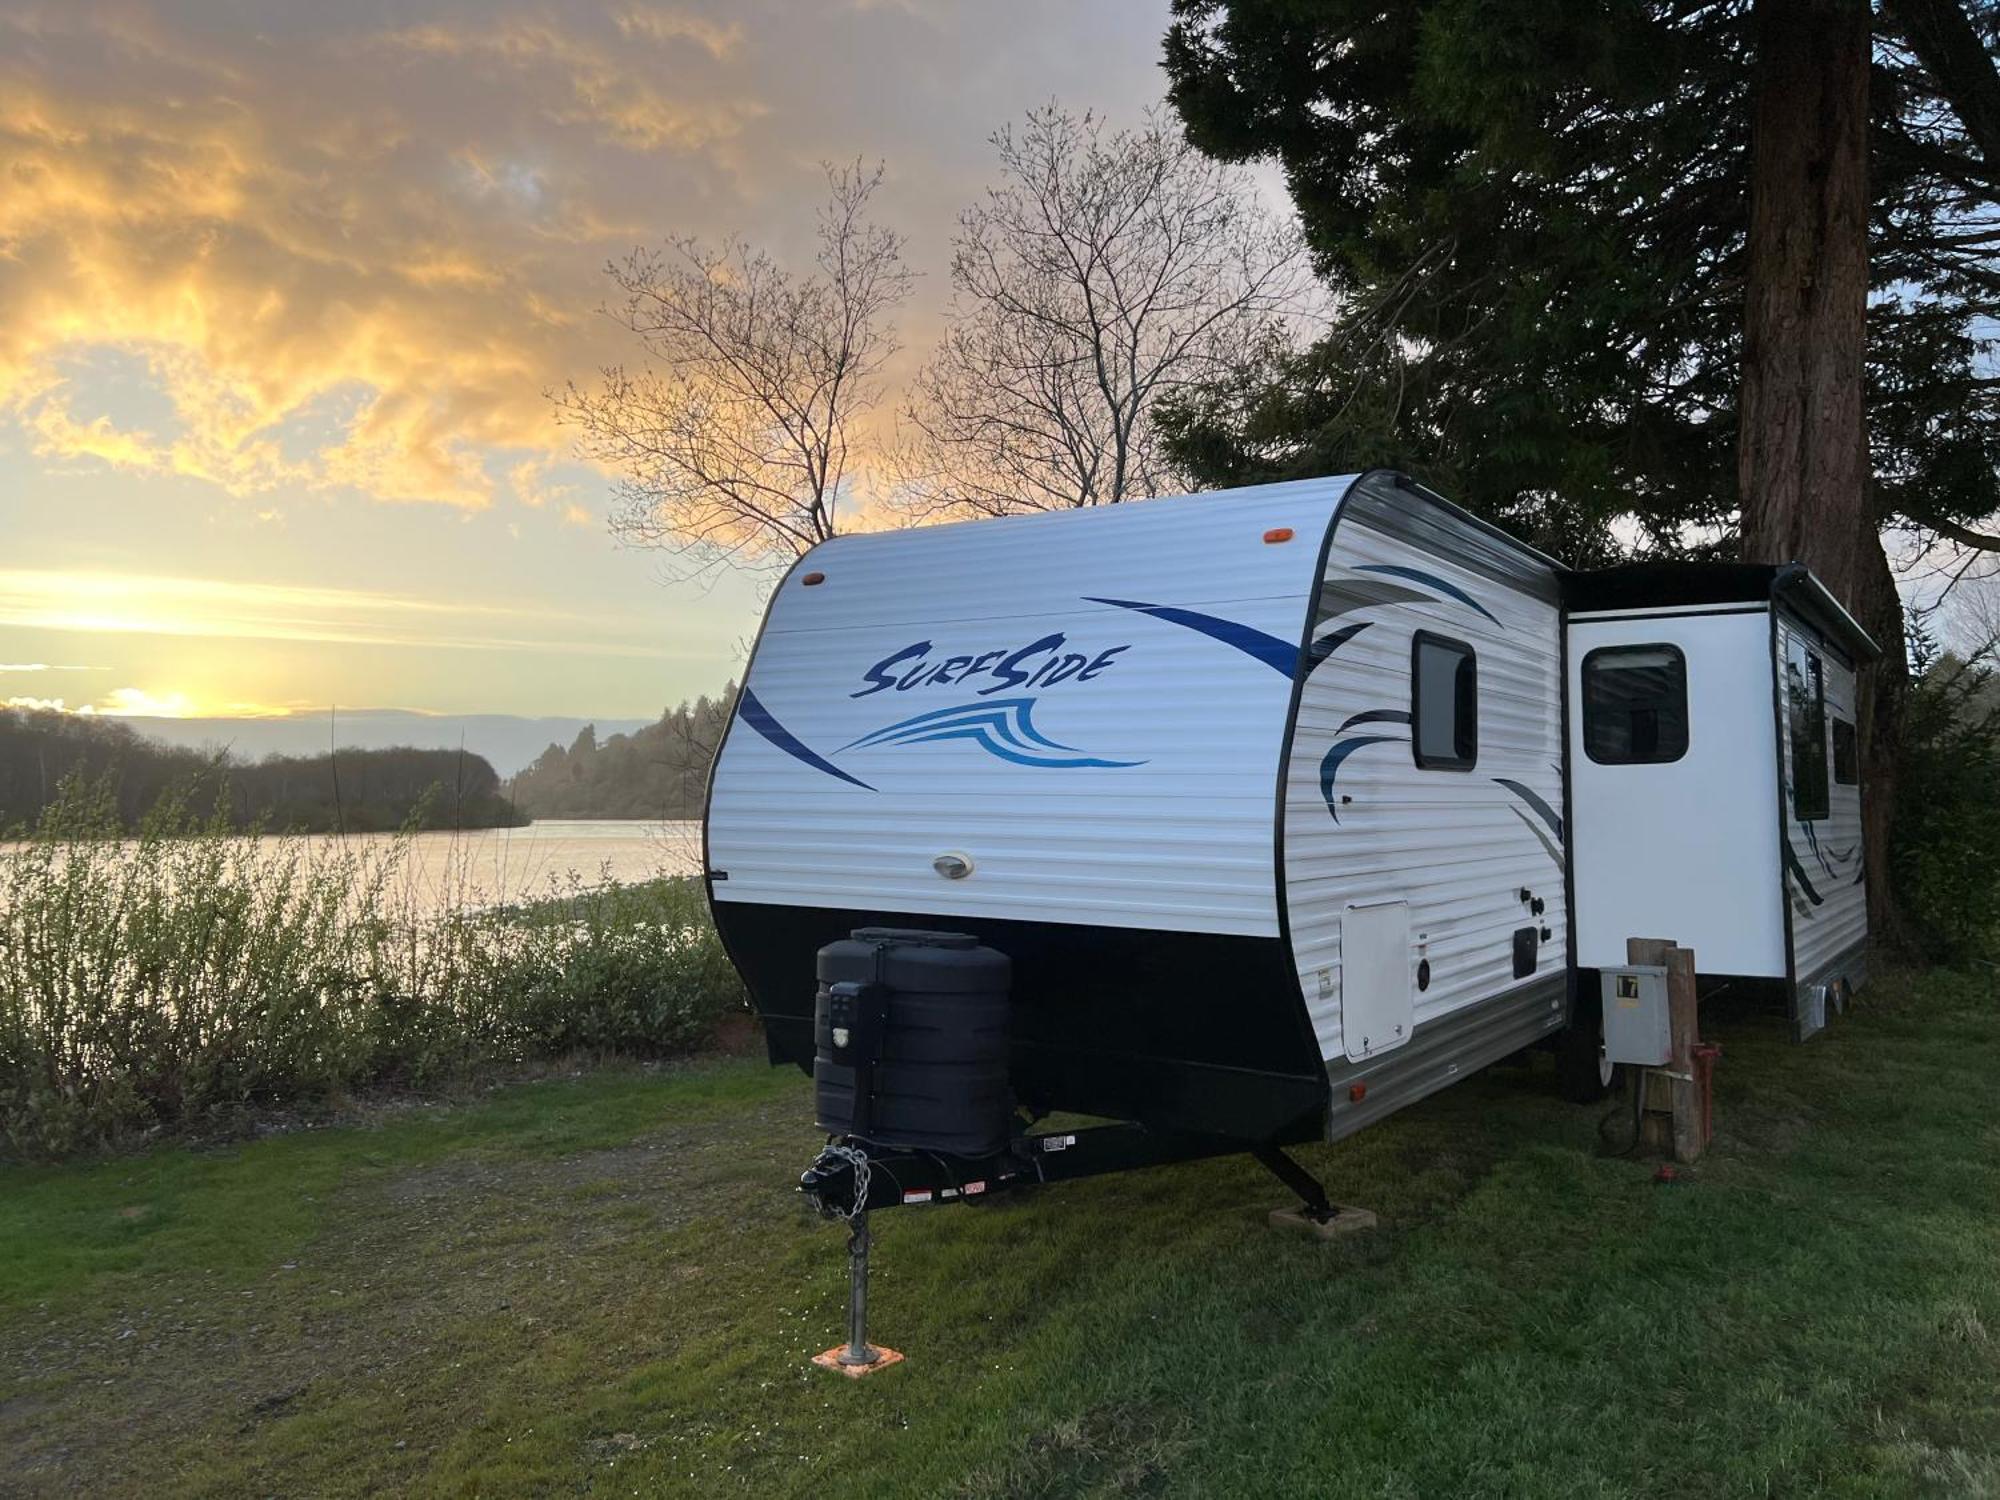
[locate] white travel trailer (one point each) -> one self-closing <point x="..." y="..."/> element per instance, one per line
<point x="1287" y="805"/>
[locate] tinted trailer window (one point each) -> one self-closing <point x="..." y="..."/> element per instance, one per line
<point x="1635" y="706"/>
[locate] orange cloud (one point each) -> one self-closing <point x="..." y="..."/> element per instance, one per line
<point x="340" y="261"/>
<point x="532" y="485"/>
<point x="652" y="23"/>
<point x="603" y="87"/>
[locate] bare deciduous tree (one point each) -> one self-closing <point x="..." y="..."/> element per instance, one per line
<point x="1106" y="271"/>
<point x="733" y="438"/>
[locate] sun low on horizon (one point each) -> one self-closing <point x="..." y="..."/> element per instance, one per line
<point x="285" y="291"/>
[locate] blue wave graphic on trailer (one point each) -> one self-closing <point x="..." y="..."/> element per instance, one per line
<point x="1003" y="727"/>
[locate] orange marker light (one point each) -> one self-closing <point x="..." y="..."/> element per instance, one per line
<point x="1278" y="534"/>
<point x="1357" y="1092"/>
<point x="812" y="578"/>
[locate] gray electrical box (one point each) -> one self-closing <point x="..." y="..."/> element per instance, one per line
<point x="1636" y="1027"/>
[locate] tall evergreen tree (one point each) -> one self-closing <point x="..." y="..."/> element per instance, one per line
<point x="658" y="771"/>
<point x="1538" y="218"/>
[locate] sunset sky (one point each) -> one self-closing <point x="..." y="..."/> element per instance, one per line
<point x="282" y="286"/>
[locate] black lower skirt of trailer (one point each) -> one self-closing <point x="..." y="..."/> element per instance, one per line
<point x="1201" y="1033"/>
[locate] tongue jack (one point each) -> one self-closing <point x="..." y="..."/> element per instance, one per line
<point x="857" y="1357"/>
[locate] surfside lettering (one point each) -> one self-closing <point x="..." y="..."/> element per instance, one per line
<point x="1038" y="664"/>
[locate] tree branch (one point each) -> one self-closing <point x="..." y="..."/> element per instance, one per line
<point x="1950" y="48"/>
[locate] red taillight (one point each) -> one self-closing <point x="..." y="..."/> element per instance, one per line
<point x="1278" y="534"/>
<point x="812" y="578"/>
<point x="1357" y="1092"/>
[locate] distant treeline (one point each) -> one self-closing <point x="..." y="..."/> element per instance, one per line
<point x="360" y="791"/>
<point x="660" y="771"/>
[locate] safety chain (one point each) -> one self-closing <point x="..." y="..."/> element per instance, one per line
<point x="855" y="1157"/>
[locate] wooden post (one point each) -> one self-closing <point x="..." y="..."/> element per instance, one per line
<point x="1672" y="1122"/>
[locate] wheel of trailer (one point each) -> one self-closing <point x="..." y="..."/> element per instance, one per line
<point x="1583" y="1073"/>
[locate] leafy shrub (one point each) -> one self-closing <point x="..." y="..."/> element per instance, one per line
<point x="632" y="969"/>
<point x="146" y="982"/>
<point x="1945" y="848"/>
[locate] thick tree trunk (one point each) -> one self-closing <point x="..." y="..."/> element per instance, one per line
<point x="1802" y="453"/>
<point x="1802" y="445"/>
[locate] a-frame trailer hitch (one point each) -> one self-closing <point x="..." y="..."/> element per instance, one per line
<point x="849" y="1178"/>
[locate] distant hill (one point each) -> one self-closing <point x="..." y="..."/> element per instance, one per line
<point x="361" y="791"/>
<point x="508" y="741"/>
<point x="658" y="771"/>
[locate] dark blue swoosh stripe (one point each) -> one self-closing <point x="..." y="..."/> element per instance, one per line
<point x="1280" y="656"/>
<point x="1329" y="767"/>
<point x="1377" y="716"/>
<point x="758" y="717"/>
<point x="1529" y="824"/>
<point x="1343" y="596"/>
<point x="1548" y="814"/>
<point x="1799" y="873"/>
<point x="1432" y="580"/>
<point x="1332" y="641"/>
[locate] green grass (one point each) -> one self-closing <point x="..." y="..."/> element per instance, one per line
<point x="602" y="1284"/>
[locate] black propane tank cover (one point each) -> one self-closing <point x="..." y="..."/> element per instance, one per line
<point x="937" y="1079"/>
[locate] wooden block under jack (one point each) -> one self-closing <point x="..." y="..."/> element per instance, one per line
<point x="884" y="1358"/>
<point x="1344" y="1221"/>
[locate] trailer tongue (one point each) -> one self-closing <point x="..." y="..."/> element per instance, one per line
<point x="910" y="1082"/>
<point x="839" y="1187"/>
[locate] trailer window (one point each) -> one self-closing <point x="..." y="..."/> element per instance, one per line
<point x="1805" y="688"/>
<point x="1846" y="754"/>
<point x="1444" y="703"/>
<point x="1635" y="705"/>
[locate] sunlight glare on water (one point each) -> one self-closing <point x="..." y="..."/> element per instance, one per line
<point x="491" y="866"/>
<point x="487" y="867"/>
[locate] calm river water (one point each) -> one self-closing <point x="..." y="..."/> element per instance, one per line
<point x="494" y="866"/>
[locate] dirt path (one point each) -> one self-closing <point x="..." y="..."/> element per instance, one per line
<point x="415" y="1271"/>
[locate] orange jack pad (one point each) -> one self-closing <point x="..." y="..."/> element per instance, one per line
<point x="830" y="1360"/>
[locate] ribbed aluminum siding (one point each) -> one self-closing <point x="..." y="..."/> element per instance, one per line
<point x="1181" y="839"/>
<point x="1458" y="846"/>
<point x="1825" y="890"/>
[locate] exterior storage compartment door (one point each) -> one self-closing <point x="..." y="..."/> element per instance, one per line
<point x="1377" y="1002"/>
